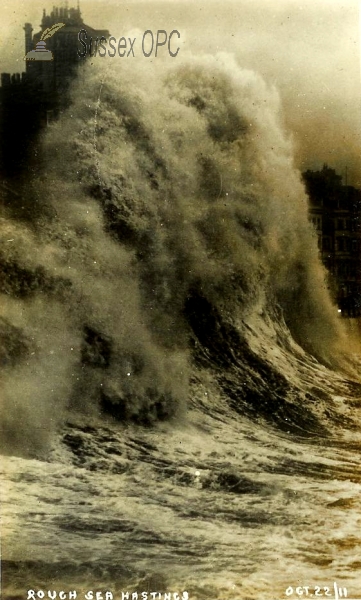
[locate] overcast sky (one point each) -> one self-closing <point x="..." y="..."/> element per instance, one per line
<point x="310" y="50"/>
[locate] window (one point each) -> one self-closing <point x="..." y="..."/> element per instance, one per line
<point x="326" y="244"/>
<point x="340" y="244"/>
<point x="340" y="224"/>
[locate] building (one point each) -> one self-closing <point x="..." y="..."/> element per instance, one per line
<point x="335" y="211"/>
<point x="30" y="99"/>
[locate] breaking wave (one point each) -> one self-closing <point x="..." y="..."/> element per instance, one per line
<point x="163" y="239"/>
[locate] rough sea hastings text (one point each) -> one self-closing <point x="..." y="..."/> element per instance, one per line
<point x="105" y="595"/>
<point x="151" y="42"/>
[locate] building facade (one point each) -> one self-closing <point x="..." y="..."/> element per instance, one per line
<point x="30" y="99"/>
<point x="335" y="211"/>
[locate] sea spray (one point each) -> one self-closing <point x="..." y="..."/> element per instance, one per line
<point x="163" y="199"/>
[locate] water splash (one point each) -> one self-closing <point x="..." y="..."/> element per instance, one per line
<point x="156" y="191"/>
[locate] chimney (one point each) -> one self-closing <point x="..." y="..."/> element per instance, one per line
<point x="28" y="28"/>
<point x="5" y="79"/>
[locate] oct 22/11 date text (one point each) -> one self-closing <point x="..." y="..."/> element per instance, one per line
<point x="334" y="591"/>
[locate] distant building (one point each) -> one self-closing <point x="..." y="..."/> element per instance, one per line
<point x="335" y="211"/>
<point x="30" y="99"/>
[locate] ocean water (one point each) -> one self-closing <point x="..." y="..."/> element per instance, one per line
<point x="181" y="401"/>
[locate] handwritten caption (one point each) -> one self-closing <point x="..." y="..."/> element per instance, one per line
<point x="105" y="595"/>
<point x="336" y="592"/>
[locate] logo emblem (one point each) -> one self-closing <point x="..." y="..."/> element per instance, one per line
<point x="40" y="52"/>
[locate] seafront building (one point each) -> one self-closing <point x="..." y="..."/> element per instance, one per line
<point x="335" y="211"/>
<point x="29" y="100"/>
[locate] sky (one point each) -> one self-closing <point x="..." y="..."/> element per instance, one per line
<point x="308" y="50"/>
